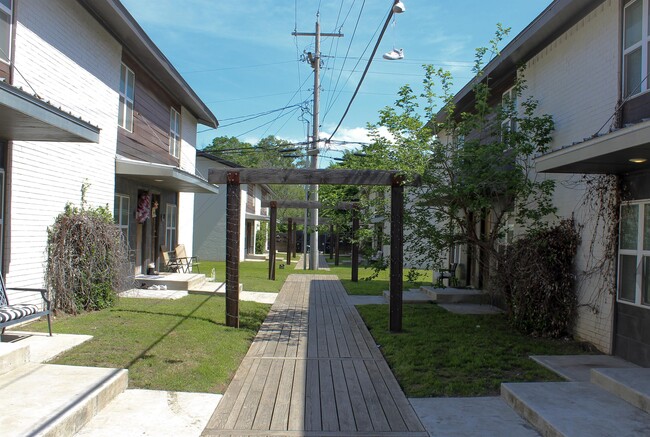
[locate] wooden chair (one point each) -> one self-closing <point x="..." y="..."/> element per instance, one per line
<point x="449" y="274"/>
<point x="187" y="262"/>
<point x="171" y="264"/>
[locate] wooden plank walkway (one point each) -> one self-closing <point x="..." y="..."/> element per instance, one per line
<point x="314" y="370"/>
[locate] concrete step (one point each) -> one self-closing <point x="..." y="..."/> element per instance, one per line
<point x="575" y="409"/>
<point x="12" y="356"/>
<point x="53" y="400"/>
<point x="631" y="385"/>
<point x="153" y="413"/>
<point x="173" y="281"/>
<point x="455" y="295"/>
<point x="212" y="288"/>
<point x="412" y="295"/>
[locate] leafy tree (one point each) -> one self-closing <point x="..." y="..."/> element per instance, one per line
<point x="269" y="152"/>
<point x="474" y="164"/>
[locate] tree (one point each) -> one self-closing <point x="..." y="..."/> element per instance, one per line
<point x="269" y="152"/>
<point x="475" y="164"/>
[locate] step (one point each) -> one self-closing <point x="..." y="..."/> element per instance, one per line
<point x="574" y="409"/>
<point x="173" y="281"/>
<point x="455" y="295"/>
<point x="166" y="413"/>
<point x="12" y="356"/>
<point x="631" y="385"/>
<point x="210" y="288"/>
<point x="411" y="296"/>
<point x="54" y="400"/>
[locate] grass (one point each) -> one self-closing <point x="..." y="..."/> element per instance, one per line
<point x="445" y="354"/>
<point x="253" y="274"/>
<point x="176" y="345"/>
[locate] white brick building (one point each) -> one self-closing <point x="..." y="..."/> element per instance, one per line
<point x="126" y="125"/>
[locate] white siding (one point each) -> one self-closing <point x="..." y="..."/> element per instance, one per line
<point x="575" y="79"/>
<point x="71" y="61"/>
<point x="187" y="163"/>
<point x="210" y="218"/>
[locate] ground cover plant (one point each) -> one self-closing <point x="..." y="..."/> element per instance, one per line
<point x="445" y="354"/>
<point x="176" y="345"/>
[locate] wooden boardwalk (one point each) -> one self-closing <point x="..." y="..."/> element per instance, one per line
<point x="314" y="370"/>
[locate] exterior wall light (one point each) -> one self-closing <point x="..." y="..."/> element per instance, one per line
<point x="638" y="160"/>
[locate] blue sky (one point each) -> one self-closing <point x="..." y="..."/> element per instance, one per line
<point x="241" y="59"/>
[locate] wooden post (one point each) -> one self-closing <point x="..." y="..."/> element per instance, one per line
<point x="331" y="241"/>
<point x="396" y="253"/>
<point x="294" y="240"/>
<point x="272" y="234"/>
<point x="336" y="249"/>
<point x="233" y="214"/>
<point x="289" y="237"/>
<point x="355" y="246"/>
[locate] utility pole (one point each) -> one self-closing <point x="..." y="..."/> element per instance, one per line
<point x="315" y="60"/>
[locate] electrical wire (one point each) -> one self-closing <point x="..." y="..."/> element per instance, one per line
<point x="365" y="72"/>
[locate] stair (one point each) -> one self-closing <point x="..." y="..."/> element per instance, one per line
<point x="615" y="403"/>
<point x="455" y="295"/>
<point x="40" y="399"/>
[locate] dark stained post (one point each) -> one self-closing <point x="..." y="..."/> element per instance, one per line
<point x="331" y="241"/>
<point x="355" y="246"/>
<point x="336" y="249"/>
<point x="294" y="241"/>
<point x="233" y="214"/>
<point x="396" y="253"/>
<point x="289" y="238"/>
<point x="272" y="233"/>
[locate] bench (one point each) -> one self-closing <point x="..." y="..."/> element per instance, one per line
<point x="19" y="313"/>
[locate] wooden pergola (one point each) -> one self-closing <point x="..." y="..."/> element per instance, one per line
<point x="306" y="204"/>
<point x="235" y="176"/>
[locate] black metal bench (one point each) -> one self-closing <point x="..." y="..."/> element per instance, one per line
<point x="13" y="314"/>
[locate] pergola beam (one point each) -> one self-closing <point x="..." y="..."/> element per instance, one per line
<point x="296" y="176"/>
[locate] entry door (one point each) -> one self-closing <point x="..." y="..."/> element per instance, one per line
<point x="634" y="254"/>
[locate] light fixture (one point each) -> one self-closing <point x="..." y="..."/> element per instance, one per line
<point x="158" y="180"/>
<point x="399" y="7"/>
<point x="638" y="160"/>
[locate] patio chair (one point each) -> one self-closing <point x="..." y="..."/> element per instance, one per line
<point x="449" y="274"/>
<point x="187" y="262"/>
<point x="171" y="264"/>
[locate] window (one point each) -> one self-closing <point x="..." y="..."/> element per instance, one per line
<point x="635" y="47"/>
<point x="509" y="104"/>
<point x="127" y="93"/>
<point x="174" y="133"/>
<point x="634" y="254"/>
<point x="121" y="214"/>
<point x="5" y="29"/>
<point x="170" y="226"/>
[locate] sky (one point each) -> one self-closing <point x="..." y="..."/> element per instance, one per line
<point x="241" y="59"/>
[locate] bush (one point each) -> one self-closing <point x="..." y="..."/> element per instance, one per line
<point x="87" y="260"/>
<point x="538" y="282"/>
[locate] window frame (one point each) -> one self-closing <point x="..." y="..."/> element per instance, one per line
<point x="125" y="99"/>
<point x="174" y="133"/>
<point x="118" y="213"/>
<point x="642" y="45"/>
<point x="171" y="225"/>
<point x="9" y="12"/>
<point x="640" y="253"/>
<point x="508" y="123"/>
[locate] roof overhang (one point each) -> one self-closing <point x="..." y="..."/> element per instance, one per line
<point x="607" y="154"/>
<point x="165" y="177"/>
<point x="24" y="117"/>
<point x="118" y="21"/>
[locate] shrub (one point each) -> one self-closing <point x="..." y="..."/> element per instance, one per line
<point x="538" y="281"/>
<point x="87" y="260"/>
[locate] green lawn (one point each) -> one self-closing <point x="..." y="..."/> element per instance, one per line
<point x="445" y="354"/>
<point x="176" y="345"/>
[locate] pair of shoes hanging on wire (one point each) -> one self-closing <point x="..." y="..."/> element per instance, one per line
<point x="394" y="55"/>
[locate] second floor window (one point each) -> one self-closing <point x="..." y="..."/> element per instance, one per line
<point x="509" y="103"/>
<point x="127" y="94"/>
<point x="5" y="29"/>
<point x="174" y="133"/>
<point x="635" y="47"/>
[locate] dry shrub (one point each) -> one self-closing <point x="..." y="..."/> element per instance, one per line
<point x="87" y="260"/>
<point x="538" y="281"/>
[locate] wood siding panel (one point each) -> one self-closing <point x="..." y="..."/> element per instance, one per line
<point x="149" y="140"/>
